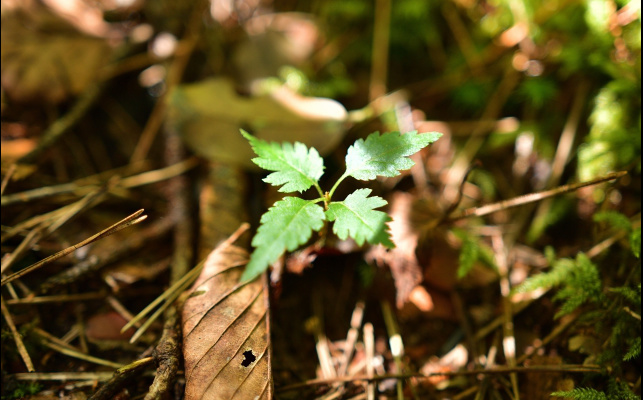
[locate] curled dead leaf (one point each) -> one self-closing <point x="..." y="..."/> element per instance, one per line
<point x="45" y="59"/>
<point x="210" y="113"/>
<point x="226" y="344"/>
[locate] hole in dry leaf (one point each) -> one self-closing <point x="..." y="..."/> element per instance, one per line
<point x="248" y="358"/>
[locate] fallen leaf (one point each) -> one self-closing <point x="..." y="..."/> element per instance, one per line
<point x="210" y="113"/>
<point x="226" y="345"/>
<point x="14" y="149"/>
<point x="107" y="326"/>
<point x="44" y="59"/>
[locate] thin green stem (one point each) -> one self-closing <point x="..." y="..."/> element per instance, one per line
<point x="319" y="189"/>
<point x="332" y="190"/>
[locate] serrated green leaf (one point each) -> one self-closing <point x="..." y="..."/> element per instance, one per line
<point x="385" y="155"/>
<point x="285" y="226"/>
<point x="296" y="166"/>
<point x="356" y="217"/>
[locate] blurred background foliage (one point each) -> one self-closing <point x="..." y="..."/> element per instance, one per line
<point x="542" y="92"/>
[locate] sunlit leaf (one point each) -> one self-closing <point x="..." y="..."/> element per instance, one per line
<point x="385" y="155"/>
<point x="296" y="167"/>
<point x="287" y="225"/>
<point x="356" y="217"/>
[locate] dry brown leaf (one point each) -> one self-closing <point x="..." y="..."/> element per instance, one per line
<point x="226" y="344"/>
<point x="210" y="113"/>
<point x="46" y="59"/>
<point x="12" y="150"/>
<point x="107" y="326"/>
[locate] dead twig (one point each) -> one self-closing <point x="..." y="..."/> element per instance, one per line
<point x="509" y="339"/>
<point x="396" y="344"/>
<point x="167" y="355"/>
<point x="42" y="231"/>
<point x="534" y="369"/>
<point x="120" y="377"/>
<point x="168" y="351"/>
<point x="7" y="177"/>
<point x="62" y="376"/>
<point x="79" y="355"/>
<point x="95" y="262"/>
<point x="88" y="184"/>
<point x="369" y="347"/>
<point x="529" y="198"/>
<point x="22" y="350"/>
<point x="122" y="224"/>
<point x="57" y="298"/>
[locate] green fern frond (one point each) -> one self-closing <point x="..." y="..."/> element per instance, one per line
<point x="618" y="390"/>
<point x="634" y="350"/>
<point x="631" y="295"/>
<point x="581" y="394"/>
<point x="615" y="219"/>
<point x="609" y="357"/>
<point x="472" y="251"/>
<point x="570" y="304"/>
<point x="583" y="285"/>
<point x="560" y="271"/>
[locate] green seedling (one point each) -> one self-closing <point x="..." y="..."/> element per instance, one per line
<point x="290" y="222"/>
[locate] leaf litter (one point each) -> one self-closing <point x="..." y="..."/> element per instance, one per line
<point x="226" y="341"/>
<point x="445" y="324"/>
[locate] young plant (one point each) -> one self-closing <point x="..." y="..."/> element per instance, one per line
<point x="289" y="223"/>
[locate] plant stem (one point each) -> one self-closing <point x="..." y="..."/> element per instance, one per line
<point x="332" y="190"/>
<point x="319" y="189"/>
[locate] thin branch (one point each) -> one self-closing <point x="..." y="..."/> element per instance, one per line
<point x="7" y="177"/>
<point x="369" y="346"/>
<point x="57" y="298"/>
<point x="529" y="198"/>
<point x="167" y="355"/>
<point x="124" y="223"/>
<point x="83" y="185"/>
<point x="535" y="369"/>
<point x="61" y="376"/>
<point x="81" y="356"/>
<point x="39" y="232"/>
<point x="120" y="377"/>
<point x="395" y="343"/>
<point x="22" y="350"/>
